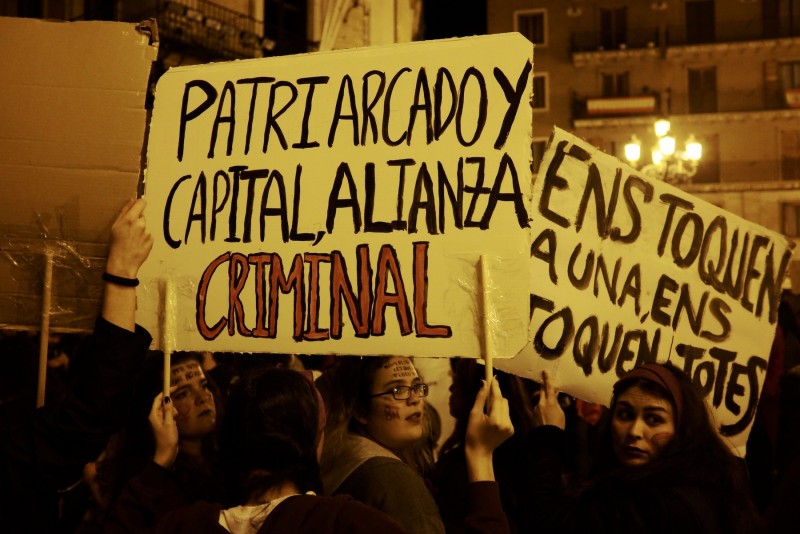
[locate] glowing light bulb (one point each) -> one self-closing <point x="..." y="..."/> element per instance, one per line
<point x="657" y="156"/>
<point x="667" y="145"/>
<point x="662" y="127"/>
<point x="694" y="150"/>
<point x="633" y="149"/>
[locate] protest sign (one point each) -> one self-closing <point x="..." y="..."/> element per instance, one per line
<point x="340" y="202"/>
<point x="625" y="270"/>
<point x="72" y="99"/>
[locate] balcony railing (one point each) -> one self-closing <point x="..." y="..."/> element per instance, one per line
<point x="639" y="37"/>
<point x="210" y="27"/>
<point x="601" y="107"/>
<point x="644" y="37"/>
<point x="621" y="105"/>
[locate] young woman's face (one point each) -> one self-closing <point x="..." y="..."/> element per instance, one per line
<point x="197" y="414"/>
<point x="641" y="425"/>
<point x="395" y="424"/>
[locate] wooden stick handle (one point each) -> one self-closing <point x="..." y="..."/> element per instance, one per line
<point x="168" y="317"/>
<point x="485" y="309"/>
<point x="44" y="340"/>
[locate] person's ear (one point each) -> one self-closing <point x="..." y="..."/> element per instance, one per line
<point x="360" y="416"/>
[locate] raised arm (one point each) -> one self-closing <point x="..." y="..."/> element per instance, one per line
<point x="548" y="412"/>
<point x="542" y="462"/>
<point x="488" y="427"/>
<point x="129" y="247"/>
<point x="48" y="450"/>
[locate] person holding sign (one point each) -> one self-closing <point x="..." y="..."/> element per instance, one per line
<point x="48" y="450"/>
<point x="450" y="478"/>
<point x="142" y="463"/>
<point x="269" y="446"/>
<point x="661" y="465"/>
<point x="376" y="418"/>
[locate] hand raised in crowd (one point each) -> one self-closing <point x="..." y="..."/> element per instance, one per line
<point x="165" y="431"/>
<point x="548" y="411"/>
<point x="488" y="427"/>
<point x="130" y="241"/>
<point x="128" y="249"/>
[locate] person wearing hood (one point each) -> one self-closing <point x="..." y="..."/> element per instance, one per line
<point x="661" y="465"/>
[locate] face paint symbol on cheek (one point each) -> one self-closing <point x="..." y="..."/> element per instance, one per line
<point x="391" y="413"/>
<point x="662" y="438"/>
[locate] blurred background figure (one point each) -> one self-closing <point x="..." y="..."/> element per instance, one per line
<point x="450" y="479"/>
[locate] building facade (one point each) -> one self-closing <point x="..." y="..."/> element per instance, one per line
<point x="199" y="31"/>
<point x="726" y="71"/>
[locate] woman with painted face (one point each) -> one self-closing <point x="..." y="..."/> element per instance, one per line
<point x="661" y="465"/>
<point x="270" y="443"/>
<point x="376" y="411"/>
<point x="140" y="464"/>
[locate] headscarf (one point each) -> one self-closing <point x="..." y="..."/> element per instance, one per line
<point x="662" y="376"/>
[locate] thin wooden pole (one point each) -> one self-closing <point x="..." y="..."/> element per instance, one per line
<point x="486" y="311"/>
<point x="168" y="317"/>
<point x="44" y="340"/>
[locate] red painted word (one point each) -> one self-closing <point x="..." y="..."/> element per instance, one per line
<point x="366" y="305"/>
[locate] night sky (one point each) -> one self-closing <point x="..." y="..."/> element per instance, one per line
<point x="454" y="18"/>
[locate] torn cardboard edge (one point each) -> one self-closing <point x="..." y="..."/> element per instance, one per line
<point x="71" y="154"/>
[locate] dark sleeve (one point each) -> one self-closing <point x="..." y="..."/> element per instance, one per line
<point x="396" y="489"/>
<point x="363" y="519"/>
<point x="339" y="514"/>
<point x="613" y="502"/>
<point x="621" y="505"/>
<point x="485" y="514"/>
<point x="451" y="486"/>
<point x="145" y="501"/>
<point x="50" y="450"/>
<point x="198" y="518"/>
<point x="542" y="465"/>
<point x="781" y="514"/>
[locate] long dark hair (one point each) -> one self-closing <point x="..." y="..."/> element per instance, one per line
<point x="134" y="446"/>
<point x="696" y="456"/>
<point x="269" y="435"/>
<point x="351" y="382"/>
<point x="347" y="395"/>
<point x="347" y="387"/>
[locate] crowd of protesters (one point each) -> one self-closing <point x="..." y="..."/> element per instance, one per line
<point x="268" y="443"/>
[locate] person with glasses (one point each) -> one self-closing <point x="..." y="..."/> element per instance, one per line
<point x="269" y="448"/>
<point x="376" y="414"/>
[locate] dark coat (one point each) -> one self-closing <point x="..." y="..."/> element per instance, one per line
<point x="312" y="514"/>
<point x="47" y="451"/>
<point x="622" y="500"/>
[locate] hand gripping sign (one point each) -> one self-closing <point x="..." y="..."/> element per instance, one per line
<point x="341" y="202"/>
<point x="626" y="270"/>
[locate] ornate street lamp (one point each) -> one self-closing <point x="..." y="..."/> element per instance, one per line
<point x="667" y="163"/>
